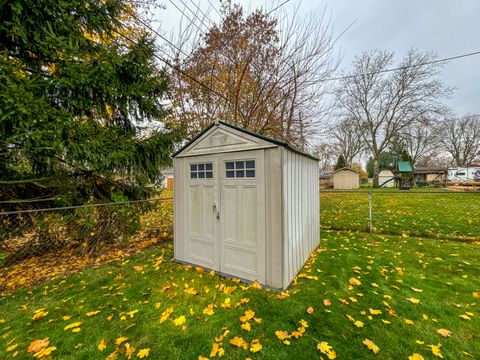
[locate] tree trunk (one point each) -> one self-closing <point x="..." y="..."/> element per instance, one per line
<point x="376" y="171"/>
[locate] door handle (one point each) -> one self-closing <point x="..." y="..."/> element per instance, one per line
<point x="218" y="215"/>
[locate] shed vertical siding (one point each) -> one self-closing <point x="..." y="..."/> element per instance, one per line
<point x="300" y="211"/>
<point x="273" y="217"/>
<point x="178" y="206"/>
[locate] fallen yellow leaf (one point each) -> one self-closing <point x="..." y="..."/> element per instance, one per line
<point x="371" y="345"/>
<point x="444" y="332"/>
<point x="255" y="346"/>
<point x="143" y="353"/>
<point x="102" y="345"/>
<point x="327" y="350"/>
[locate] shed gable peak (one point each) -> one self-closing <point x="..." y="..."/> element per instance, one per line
<point x="221" y="138"/>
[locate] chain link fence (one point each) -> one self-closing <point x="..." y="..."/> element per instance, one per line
<point x="66" y="239"/>
<point x="438" y="214"/>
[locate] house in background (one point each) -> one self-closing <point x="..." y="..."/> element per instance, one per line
<point x="167" y="178"/>
<point x="326" y="180"/>
<point x="429" y="175"/>
<point x="346" y="179"/>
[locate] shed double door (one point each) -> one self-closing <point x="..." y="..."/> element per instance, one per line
<point x="225" y="213"/>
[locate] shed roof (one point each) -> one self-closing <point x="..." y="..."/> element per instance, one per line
<point x="252" y="133"/>
<point x="430" y="170"/>
<point x="404" y="166"/>
<point x="346" y="169"/>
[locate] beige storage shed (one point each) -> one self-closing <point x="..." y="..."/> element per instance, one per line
<point x="386" y="178"/>
<point x="245" y="205"/>
<point x="346" y="179"/>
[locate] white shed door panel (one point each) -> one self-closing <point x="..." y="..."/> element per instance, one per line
<point x="242" y="215"/>
<point x="202" y="228"/>
<point x="225" y="213"/>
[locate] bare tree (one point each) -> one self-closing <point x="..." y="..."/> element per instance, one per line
<point x="327" y="156"/>
<point x="347" y="142"/>
<point x="382" y="104"/>
<point x="262" y="71"/>
<point x="419" y="139"/>
<point x="460" y="137"/>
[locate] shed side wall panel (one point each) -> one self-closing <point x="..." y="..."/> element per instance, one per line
<point x="273" y="217"/>
<point x="178" y="203"/>
<point x="300" y="211"/>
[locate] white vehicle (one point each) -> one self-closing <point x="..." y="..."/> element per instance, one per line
<point x="464" y="174"/>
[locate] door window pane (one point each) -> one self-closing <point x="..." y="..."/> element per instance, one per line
<point x="250" y="164"/>
<point x="240" y="169"/>
<point x="201" y="171"/>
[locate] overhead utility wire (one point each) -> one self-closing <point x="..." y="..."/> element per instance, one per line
<point x="214" y="8"/>
<point x="205" y="14"/>
<point x="196" y="15"/>
<point x="168" y="63"/>
<point x="191" y="21"/>
<point x="404" y="67"/>
<point x="278" y="7"/>
<point x="180" y="50"/>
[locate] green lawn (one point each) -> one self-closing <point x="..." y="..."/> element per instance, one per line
<point x="441" y="215"/>
<point x="131" y="295"/>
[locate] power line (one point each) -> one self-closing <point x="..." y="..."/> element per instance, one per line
<point x="195" y="14"/>
<point x="277" y="7"/>
<point x="191" y="21"/>
<point x="180" y="50"/>
<point x="214" y="8"/>
<point x="176" y="68"/>
<point x="404" y="67"/>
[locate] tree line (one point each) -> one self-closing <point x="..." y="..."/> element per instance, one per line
<point x="92" y="107"/>
<point x="389" y="115"/>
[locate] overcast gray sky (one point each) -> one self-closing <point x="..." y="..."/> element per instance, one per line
<point x="448" y="27"/>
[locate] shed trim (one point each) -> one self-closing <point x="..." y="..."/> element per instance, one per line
<point x="252" y="133"/>
<point x="346" y="169"/>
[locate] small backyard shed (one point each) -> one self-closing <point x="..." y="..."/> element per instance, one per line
<point x="245" y="205"/>
<point x="386" y="178"/>
<point x="346" y="179"/>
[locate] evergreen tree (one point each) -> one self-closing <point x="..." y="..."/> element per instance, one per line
<point x="387" y="161"/>
<point x="73" y="89"/>
<point x="341" y="163"/>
